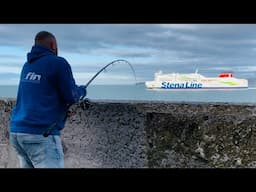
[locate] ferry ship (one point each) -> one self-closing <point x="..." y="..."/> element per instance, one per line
<point x="195" y="81"/>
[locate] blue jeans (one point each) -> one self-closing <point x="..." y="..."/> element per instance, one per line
<point x="37" y="151"/>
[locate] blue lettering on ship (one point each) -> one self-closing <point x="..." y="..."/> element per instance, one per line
<point x="187" y="85"/>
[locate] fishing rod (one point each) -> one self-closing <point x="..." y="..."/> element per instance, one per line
<point x="106" y="66"/>
<point x="63" y="116"/>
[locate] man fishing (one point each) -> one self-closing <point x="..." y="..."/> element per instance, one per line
<point x="46" y="90"/>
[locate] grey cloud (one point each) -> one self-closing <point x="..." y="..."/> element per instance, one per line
<point x="134" y="55"/>
<point x="12" y="56"/>
<point x="87" y="37"/>
<point x="171" y="47"/>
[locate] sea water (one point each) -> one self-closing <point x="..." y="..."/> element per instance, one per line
<point x="140" y="92"/>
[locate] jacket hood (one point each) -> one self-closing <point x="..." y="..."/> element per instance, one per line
<point x="37" y="52"/>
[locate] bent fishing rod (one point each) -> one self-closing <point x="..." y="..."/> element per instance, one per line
<point x="64" y="115"/>
<point x="106" y="66"/>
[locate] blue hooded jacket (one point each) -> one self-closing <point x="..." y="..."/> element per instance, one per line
<point x="45" y="90"/>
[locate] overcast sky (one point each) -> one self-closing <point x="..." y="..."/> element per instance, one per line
<point x="183" y="48"/>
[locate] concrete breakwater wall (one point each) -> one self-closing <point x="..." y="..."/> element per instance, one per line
<point x="133" y="134"/>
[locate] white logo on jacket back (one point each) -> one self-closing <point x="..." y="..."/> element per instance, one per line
<point x="32" y="77"/>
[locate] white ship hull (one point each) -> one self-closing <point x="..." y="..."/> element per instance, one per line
<point x="195" y="81"/>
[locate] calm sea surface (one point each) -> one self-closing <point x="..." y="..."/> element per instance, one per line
<point x="139" y="92"/>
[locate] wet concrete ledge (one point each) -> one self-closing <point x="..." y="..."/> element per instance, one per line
<point x="138" y="134"/>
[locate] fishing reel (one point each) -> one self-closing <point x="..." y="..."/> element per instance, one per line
<point x="85" y="104"/>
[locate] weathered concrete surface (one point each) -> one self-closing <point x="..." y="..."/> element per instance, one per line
<point x="116" y="134"/>
<point x="7" y="156"/>
<point x="105" y="135"/>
